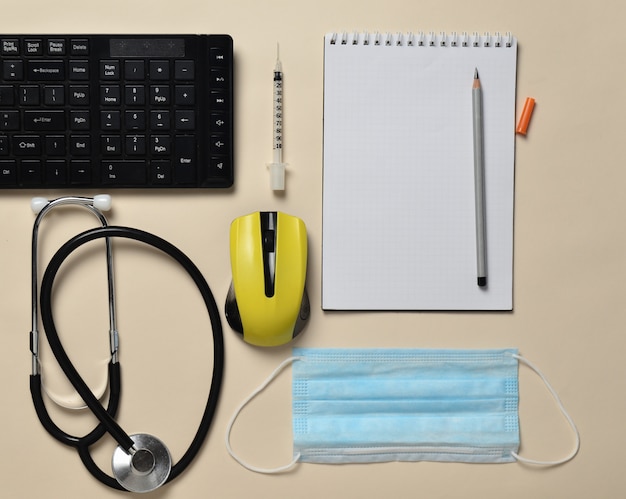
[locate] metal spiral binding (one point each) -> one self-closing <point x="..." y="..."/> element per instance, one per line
<point x="422" y="39"/>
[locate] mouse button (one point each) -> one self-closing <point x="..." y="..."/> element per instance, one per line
<point x="291" y="252"/>
<point x="291" y="233"/>
<point x="245" y="241"/>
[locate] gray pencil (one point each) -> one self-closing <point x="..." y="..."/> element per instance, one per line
<point x="479" y="181"/>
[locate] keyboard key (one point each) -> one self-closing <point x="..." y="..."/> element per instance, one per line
<point x="9" y="46"/>
<point x="111" y="145"/>
<point x="7" y="97"/>
<point x="79" y="46"/>
<point x="159" y="120"/>
<point x="135" y="120"/>
<point x="218" y="100"/>
<point x="55" y="171"/>
<point x="80" y="120"/>
<point x="218" y="144"/>
<point x="54" y="95"/>
<point x="135" y="95"/>
<point x="8" y="172"/>
<point x="55" y="145"/>
<point x="79" y="95"/>
<point x="13" y="70"/>
<point x="159" y="70"/>
<point x="9" y="120"/>
<point x="80" y="145"/>
<point x="46" y="70"/>
<point x="185" y="159"/>
<point x="56" y="46"/>
<point x="160" y="95"/>
<point x="26" y="145"/>
<point x="160" y="145"/>
<point x="161" y="172"/>
<point x="29" y="95"/>
<point x="33" y="47"/>
<point x="42" y="120"/>
<point x="218" y="166"/>
<point x="124" y="172"/>
<point x="79" y="70"/>
<point x="185" y="120"/>
<point x="218" y="78"/>
<point x="218" y="57"/>
<point x="80" y="172"/>
<point x="136" y="145"/>
<point x="184" y="70"/>
<point x="31" y="172"/>
<point x="110" y="120"/>
<point x="110" y="70"/>
<point x="134" y="70"/>
<point x="110" y="95"/>
<point x="184" y="95"/>
<point x="218" y="122"/>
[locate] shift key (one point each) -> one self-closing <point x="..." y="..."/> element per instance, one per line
<point x="43" y="120"/>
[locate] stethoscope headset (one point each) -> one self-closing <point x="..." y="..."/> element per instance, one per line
<point x="141" y="462"/>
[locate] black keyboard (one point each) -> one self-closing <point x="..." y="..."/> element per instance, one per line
<point x="109" y="111"/>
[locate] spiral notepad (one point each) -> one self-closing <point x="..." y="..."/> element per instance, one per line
<point x="398" y="187"/>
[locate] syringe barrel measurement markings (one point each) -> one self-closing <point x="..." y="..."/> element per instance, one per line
<point x="278" y="110"/>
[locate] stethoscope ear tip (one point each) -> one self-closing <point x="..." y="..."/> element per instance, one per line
<point x="37" y="204"/>
<point x="102" y="202"/>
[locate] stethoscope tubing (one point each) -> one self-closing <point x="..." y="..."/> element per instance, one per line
<point x="106" y="416"/>
<point x="65" y="438"/>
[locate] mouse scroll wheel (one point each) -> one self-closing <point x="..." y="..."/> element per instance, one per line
<point x="269" y="241"/>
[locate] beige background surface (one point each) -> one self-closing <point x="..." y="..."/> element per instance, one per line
<point x="570" y="262"/>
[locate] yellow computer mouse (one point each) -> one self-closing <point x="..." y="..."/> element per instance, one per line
<point x="267" y="301"/>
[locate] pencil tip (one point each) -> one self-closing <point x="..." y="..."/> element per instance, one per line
<point x="475" y="73"/>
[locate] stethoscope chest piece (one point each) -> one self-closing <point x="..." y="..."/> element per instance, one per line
<point x="145" y="469"/>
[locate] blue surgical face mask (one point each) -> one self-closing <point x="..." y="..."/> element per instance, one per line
<point x="377" y="405"/>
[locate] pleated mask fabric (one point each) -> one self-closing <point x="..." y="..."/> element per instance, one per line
<point x="376" y="405"/>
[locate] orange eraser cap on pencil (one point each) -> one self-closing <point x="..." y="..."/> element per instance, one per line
<point x="527" y="112"/>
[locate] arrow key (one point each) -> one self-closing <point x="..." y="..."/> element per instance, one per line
<point x="185" y="119"/>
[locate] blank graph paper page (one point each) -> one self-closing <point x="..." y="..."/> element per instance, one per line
<point x="399" y="224"/>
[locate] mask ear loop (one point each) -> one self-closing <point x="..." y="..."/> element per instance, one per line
<point x="563" y="411"/>
<point x="287" y="362"/>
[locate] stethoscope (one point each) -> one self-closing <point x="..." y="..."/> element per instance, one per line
<point x="141" y="462"/>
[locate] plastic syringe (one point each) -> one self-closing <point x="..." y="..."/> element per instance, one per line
<point x="277" y="167"/>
